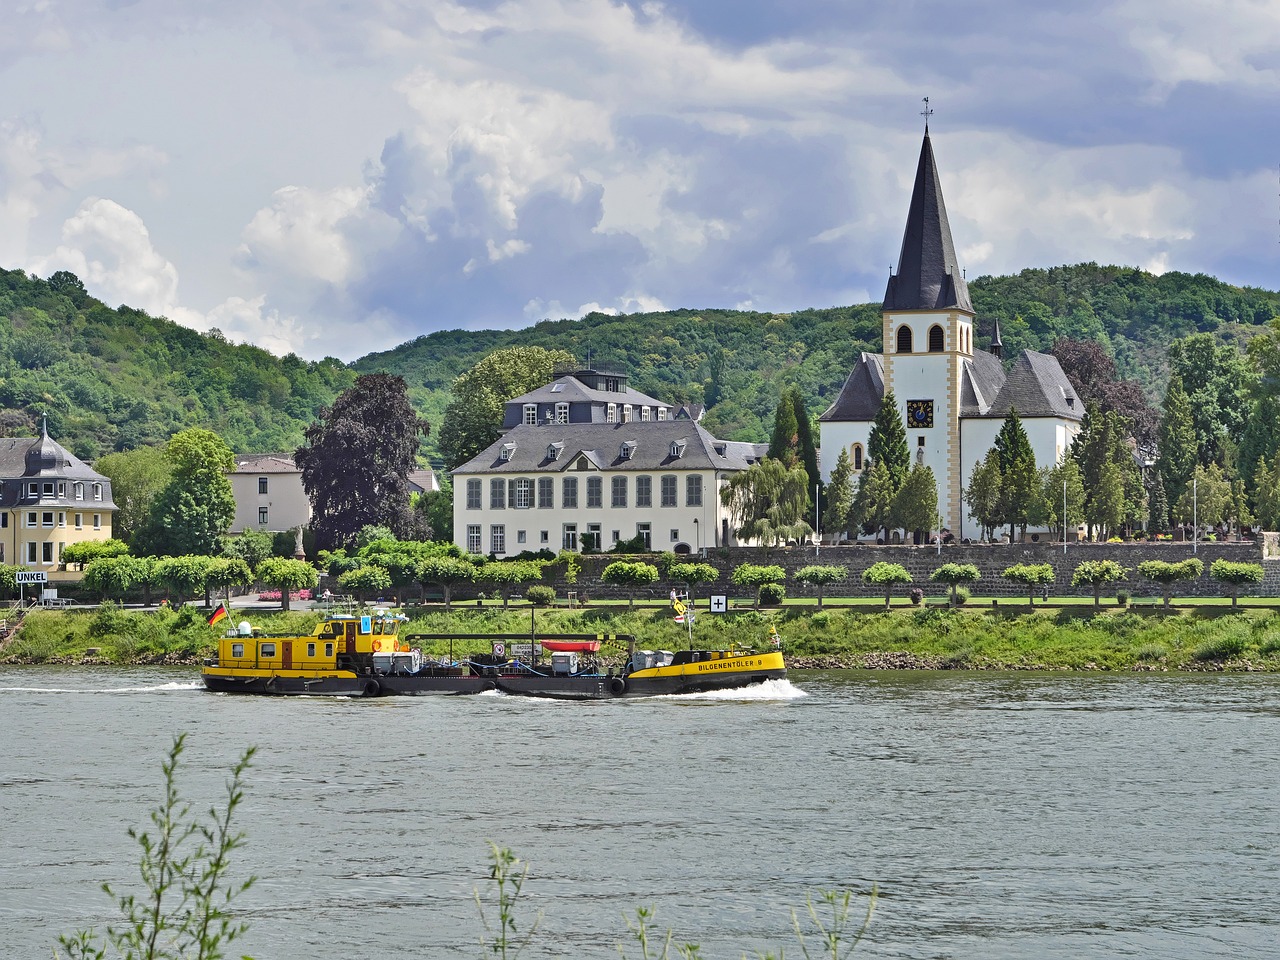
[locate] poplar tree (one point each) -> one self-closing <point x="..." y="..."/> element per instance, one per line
<point x="887" y="442"/>
<point x="1177" y="440"/>
<point x="1267" y="499"/>
<point x="983" y="493"/>
<point x="916" y="505"/>
<point x="1157" y="505"/>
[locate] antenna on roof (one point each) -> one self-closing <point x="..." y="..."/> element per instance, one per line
<point x="926" y="113"/>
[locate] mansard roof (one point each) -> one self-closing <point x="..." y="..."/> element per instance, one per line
<point x="601" y="444"/>
<point x="569" y="389"/>
<point x="1036" y="386"/>
<point x="928" y="277"/>
<point x="863" y="389"/>
<point x="265" y="463"/>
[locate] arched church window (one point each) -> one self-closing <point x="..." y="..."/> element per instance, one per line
<point x="904" y="339"/>
<point x="857" y="456"/>
<point x="937" y="339"/>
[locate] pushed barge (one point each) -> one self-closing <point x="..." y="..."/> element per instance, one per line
<point x="364" y="656"/>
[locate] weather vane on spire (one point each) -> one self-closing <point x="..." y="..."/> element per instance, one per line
<point x="926" y="113"/>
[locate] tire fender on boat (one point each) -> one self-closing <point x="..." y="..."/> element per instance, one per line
<point x="372" y="688"/>
<point x="617" y="686"/>
<point x="377" y="646"/>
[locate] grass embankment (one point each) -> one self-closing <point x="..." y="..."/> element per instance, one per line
<point x="1072" y="639"/>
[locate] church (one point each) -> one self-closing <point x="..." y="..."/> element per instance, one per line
<point x="953" y="399"/>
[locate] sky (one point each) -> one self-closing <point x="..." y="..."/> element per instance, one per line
<point x="333" y="179"/>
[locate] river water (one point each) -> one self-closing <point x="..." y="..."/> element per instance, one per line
<point x="1000" y="815"/>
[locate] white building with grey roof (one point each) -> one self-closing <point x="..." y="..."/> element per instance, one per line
<point x="585" y="462"/>
<point x="952" y="397"/>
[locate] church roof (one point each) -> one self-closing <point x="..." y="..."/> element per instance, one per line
<point x="1037" y="387"/>
<point x="862" y="392"/>
<point x="928" y="277"/>
<point x="981" y="378"/>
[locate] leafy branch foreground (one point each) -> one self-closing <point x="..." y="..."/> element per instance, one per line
<point x="184" y="912"/>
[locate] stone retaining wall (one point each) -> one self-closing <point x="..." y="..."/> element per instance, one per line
<point x="920" y="562"/>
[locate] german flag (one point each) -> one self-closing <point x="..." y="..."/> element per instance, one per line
<point x="219" y="613"/>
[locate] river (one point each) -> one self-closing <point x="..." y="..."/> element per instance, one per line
<point x="1001" y="815"/>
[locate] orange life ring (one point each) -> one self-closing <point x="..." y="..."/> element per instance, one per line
<point x="377" y="645"/>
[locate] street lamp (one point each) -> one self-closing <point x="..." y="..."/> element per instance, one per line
<point x="1195" y="515"/>
<point x="697" y="537"/>
<point x="1064" y="518"/>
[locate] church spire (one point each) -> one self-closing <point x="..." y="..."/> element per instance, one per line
<point x="927" y="277"/>
<point x="997" y="345"/>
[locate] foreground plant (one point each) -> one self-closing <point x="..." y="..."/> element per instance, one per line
<point x="183" y="913"/>
<point x="508" y="873"/>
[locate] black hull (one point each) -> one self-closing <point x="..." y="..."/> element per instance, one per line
<point x="616" y="688"/>
<point x="293" y="686"/>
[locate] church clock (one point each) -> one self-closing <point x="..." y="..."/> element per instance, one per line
<point x="919" y="413"/>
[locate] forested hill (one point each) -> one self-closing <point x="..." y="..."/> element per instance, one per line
<point x="115" y="379"/>
<point x="119" y="379"/>
<point x="737" y="362"/>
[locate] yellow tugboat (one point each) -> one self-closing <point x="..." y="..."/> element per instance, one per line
<point x="347" y="655"/>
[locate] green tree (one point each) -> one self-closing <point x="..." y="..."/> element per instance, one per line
<point x="1158" y="505"/>
<point x="821" y="576"/>
<point x="196" y="506"/>
<point x="356" y="463"/>
<point x="1177" y="440"/>
<point x="436" y="507"/>
<point x="887" y="443"/>
<point x="252" y="546"/>
<point x="692" y="574"/>
<point x="768" y="502"/>
<point x="287" y="575"/>
<point x="115" y="576"/>
<point x="1206" y="501"/>
<point x="983" y="494"/>
<point x="447" y="572"/>
<point x="1019" y="481"/>
<point x="363" y="582"/>
<point x="839" y="496"/>
<point x="1235" y="575"/>
<point x="1065" y="476"/>
<point x="137" y="477"/>
<point x="1167" y="574"/>
<point x="873" y="503"/>
<point x="757" y="576"/>
<point x="885" y="576"/>
<point x="916" y="505"/>
<point x="633" y="576"/>
<point x="1268" y="495"/>
<point x="1097" y="573"/>
<point x="1030" y="575"/>
<point x="86" y="551"/>
<point x="473" y="418"/>
<point x="183" y="577"/>
<point x="1217" y="380"/>
<point x="507" y="575"/>
<point x="953" y="575"/>
<point x="784" y="442"/>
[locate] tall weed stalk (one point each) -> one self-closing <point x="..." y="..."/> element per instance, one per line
<point x="183" y="912"/>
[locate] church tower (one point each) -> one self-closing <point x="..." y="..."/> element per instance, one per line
<point x="928" y="336"/>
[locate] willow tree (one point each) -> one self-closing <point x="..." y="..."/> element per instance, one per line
<point x="769" y="503"/>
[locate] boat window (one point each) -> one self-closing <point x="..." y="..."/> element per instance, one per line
<point x="266" y="650"/>
<point x="237" y="650"/>
<point x="328" y="649"/>
<point x="311" y="649"/>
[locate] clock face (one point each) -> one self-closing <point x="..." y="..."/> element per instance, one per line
<point x="919" y="413"/>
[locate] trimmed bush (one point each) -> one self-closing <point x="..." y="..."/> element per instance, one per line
<point x="541" y="596"/>
<point x="772" y="594"/>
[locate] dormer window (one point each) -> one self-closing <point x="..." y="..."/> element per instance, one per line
<point x="531" y="414"/>
<point x="611" y="413"/>
<point x="662" y="413"/>
<point x="626" y="450"/>
<point x="626" y="413"/>
<point x="644" y="414"/>
<point x="507" y="450"/>
<point x="677" y="449"/>
<point x="722" y="449"/>
<point x="562" y="412"/>
<point x="553" y="450"/>
<point x="97" y="491"/>
<point x="78" y="488"/>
